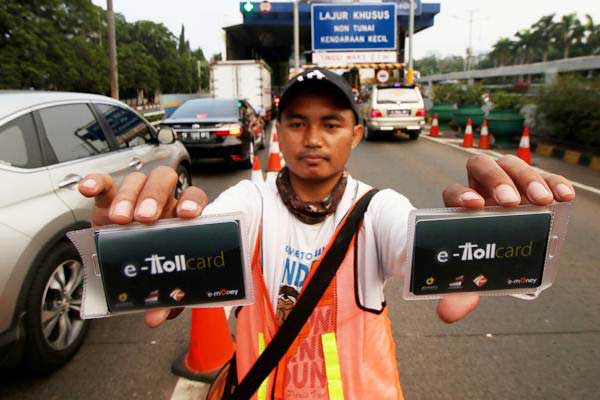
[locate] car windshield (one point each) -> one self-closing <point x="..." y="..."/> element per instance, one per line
<point x="397" y="95"/>
<point x="207" y="109"/>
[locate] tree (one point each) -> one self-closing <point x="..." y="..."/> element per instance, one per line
<point x="569" y="33"/>
<point x="543" y="31"/>
<point x="184" y="45"/>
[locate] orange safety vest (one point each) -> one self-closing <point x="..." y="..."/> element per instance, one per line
<point x="342" y="352"/>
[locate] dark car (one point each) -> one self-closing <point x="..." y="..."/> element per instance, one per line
<point x="219" y="128"/>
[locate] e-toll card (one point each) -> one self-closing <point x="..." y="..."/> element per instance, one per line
<point x="171" y="266"/>
<point x="479" y="253"/>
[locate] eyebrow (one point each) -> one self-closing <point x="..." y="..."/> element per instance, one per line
<point x="335" y="116"/>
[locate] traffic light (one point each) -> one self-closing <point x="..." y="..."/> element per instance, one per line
<point x="248" y="7"/>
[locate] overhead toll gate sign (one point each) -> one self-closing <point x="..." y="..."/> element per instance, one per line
<point x="354" y="27"/>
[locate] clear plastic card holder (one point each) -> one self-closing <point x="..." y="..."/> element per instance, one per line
<point x="493" y="251"/>
<point x="167" y="280"/>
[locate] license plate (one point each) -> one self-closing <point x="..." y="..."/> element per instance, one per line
<point x="398" y="113"/>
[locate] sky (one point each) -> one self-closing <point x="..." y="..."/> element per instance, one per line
<point x="493" y="19"/>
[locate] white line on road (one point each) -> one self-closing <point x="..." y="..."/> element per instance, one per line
<point x="186" y="389"/>
<point x="494" y="154"/>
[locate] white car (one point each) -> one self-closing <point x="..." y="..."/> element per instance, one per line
<point x="393" y="109"/>
<point x="48" y="142"/>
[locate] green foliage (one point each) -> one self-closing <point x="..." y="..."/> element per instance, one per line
<point x="446" y="94"/>
<point x="570" y="109"/>
<point x="61" y="45"/>
<point x="434" y="65"/>
<point x="507" y="101"/>
<point x="472" y="95"/>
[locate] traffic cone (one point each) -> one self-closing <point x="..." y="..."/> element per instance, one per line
<point x="210" y="348"/>
<point x="274" y="148"/>
<point x="274" y="167"/>
<point x="484" y="137"/>
<point x="256" y="174"/>
<point x="468" y="139"/>
<point x="435" y="128"/>
<point x="524" y="151"/>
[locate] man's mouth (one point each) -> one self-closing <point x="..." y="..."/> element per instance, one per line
<point x="313" y="157"/>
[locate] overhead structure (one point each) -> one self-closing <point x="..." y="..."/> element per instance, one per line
<point x="267" y="33"/>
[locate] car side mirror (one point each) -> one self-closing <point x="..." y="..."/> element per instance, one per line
<point x="166" y="135"/>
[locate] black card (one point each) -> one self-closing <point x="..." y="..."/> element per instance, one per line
<point x="479" y="253"/>
<point x="171" y="266"/>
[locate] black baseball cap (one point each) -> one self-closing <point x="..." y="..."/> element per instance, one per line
<point x="318" y="76"/>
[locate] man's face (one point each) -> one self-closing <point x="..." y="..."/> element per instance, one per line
<point x="317" y="135"/>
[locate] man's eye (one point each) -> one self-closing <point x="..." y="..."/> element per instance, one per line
<point x="332" y="126"/>
<point x="295" y="124"/>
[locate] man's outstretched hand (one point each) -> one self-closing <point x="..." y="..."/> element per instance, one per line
<point x="144" y="199"/>
<point x="508" y="182"/>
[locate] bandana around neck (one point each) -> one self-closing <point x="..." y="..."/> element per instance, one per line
<point x="309" y="212"/>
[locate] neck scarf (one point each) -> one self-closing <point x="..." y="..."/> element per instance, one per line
<point x="309" y="212"/>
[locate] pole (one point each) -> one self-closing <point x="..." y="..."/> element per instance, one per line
<point x="296" y="38"/>
<point x="411" y="32"/>
<point x="112" y="51"/>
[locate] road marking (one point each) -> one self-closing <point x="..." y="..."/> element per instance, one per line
<point x="496" y="155"/>
<point x="186" y="389"/>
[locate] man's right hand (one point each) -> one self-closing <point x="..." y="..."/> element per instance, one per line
<point x="142" y="199"/>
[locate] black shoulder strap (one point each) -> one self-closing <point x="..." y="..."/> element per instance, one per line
<point x="313" y="292"/>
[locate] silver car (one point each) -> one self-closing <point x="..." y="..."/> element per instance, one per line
<point x="48" y="142"/>
<point x="395" y="109"/>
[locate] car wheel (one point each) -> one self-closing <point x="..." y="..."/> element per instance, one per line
<point x="54" y="327"/>
<point x="413" y="135"/>
<point x="184" y="180"/>
<point x="369" y="134"/>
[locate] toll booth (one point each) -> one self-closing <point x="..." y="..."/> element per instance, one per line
<point x="267" y="33"/>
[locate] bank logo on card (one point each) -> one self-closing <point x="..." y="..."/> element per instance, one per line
<point x="177" y="294"/>
<point x="152" y="297"/>
<point x="480" y="280"/>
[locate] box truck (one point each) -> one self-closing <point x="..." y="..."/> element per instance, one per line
<point x="243" y="79"/>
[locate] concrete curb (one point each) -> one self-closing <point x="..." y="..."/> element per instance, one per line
<point x="569" y="156"/>
<point x="554" y="151"/>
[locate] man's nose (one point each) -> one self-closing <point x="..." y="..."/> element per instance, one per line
<point x="312" y="136"/>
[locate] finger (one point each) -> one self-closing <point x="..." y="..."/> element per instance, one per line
<point x="154" y="318"/>
<point x="156" y="194"/>
<point x="99" y="186"/>
<point x="121" y="210"/>
<point x="489" y="179"/>
<point x="457" y="195"/>
<point x="191" y="203"/>
<point x="455" y="307"/>
<point x="528" y="181"/>
<point x="561" y="187"/>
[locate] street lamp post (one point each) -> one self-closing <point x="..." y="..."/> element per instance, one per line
<point x="411" y="32"/>
<point x="296" y="38"/>
<point x="112" y="51"/>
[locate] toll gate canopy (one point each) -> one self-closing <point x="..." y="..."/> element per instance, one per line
<point x="269" y="35"/>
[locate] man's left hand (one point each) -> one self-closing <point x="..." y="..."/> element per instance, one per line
<point x="508" y="182"/>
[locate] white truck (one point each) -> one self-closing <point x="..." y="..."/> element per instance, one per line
<point x="243" y="79"/>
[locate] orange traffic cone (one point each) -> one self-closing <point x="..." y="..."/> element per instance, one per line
<point x="274" y="167"/>
<point x="256" y="175"/>
<point x="211" y="346"/>
<point x="524" y="151"/>
<point x="274" y="148"/>
<point x="435" y="128"/>
<point x="468" y="139"/>
<point x="484" y="137"/>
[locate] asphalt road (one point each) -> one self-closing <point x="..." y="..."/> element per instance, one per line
<point x="508" y="348"/>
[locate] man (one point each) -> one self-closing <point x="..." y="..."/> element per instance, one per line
<point x="292" y="222"/>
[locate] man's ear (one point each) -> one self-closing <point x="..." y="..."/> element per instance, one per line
<point x="357" y="133"/>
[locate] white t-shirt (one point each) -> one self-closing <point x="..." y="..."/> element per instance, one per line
<point x="290" y="247"/>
